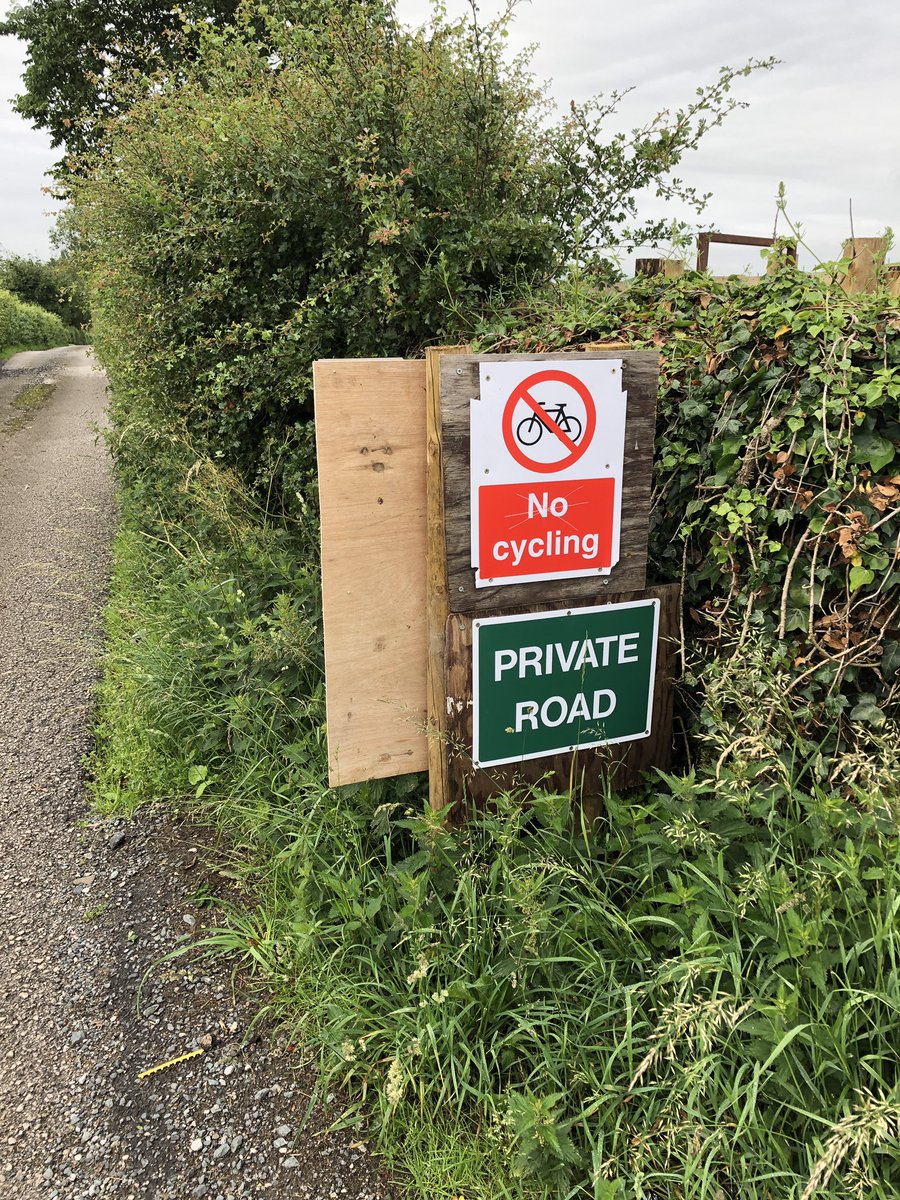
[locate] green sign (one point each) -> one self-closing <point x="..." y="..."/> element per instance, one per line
<point x="548" y="683"/>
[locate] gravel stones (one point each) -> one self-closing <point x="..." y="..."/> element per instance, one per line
<point x="90" y="996"/>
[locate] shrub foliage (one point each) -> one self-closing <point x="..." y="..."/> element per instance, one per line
<point x="53" y="286"/>
<point x="23" y="324"/>
<point x="340" y="187"/>
<point x="777" y="470"/>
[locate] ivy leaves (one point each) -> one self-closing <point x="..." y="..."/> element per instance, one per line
<point x="777" y="462"/>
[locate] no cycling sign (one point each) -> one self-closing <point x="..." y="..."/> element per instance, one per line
<point x="568" y="435"/>
<point x="547" y="448"/>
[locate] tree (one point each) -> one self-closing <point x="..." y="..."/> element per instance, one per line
<point x="53" y="286"/>
<point x="86" y="62"/>
<point x="78" y="51"/>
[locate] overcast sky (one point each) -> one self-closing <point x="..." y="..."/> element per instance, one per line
<point x="826" y="121"/>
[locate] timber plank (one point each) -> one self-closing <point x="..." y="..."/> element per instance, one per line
<point x="371" y="447"/>
<point x="436" y="605"/>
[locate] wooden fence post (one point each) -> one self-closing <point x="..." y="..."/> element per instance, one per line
<point x="866" y="261"/>
<point x="669" y="268"/>
<point x="437" y="606"/>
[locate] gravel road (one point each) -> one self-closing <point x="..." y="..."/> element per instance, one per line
<point x="91" y="906"/>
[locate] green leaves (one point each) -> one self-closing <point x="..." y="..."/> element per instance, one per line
<point x="776" y="478"/>
<point x="859" y="577"/>
<point x="867" y="710"/>
<point x="872" y="448"/>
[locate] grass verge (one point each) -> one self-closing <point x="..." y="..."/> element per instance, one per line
<point x="698" y="998"/>
<point x="26" y="404"/>
<point x="7" y="352"/>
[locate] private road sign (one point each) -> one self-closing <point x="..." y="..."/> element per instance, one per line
<point x="547" y="447"/>
<point x="551" y="682"/>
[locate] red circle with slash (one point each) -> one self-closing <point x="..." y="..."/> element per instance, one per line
<point x="573" y="450"/>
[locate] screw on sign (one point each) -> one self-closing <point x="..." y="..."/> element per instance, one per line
<point x="563" y="435"/>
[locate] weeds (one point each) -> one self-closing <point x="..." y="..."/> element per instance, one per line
<point x="687" y="1001"/>
<point x="26" y="404"/>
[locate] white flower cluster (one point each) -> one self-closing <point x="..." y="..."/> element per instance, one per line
<point x="396" y="1083"/>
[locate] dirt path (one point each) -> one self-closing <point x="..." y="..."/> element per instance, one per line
<point x="91" y="906"/>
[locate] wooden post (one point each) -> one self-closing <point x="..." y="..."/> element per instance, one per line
<point x="866" y="261"/>
<point x="702" y="251"/>
<point x="892" y="279"/>
<point x="437" y="607"/>
<point x="669" y="268"/>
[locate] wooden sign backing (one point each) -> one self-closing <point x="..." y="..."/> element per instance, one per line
<point x="586" y="772"/>
<point x="397" y="637"/>
<point x="459" y="383"/>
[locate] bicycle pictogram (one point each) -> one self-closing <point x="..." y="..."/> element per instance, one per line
<point x="528" y="418"/>
<point x="531" y="429"/>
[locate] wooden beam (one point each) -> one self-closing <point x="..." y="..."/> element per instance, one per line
<point x="669" y="268"/>
<point x="738" y="239"/>
<point x="437" y="607"/>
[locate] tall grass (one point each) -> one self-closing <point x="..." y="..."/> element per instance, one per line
<point x="696" y="999"/>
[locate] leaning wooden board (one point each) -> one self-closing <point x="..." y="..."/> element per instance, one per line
<point x="370" y="441"/>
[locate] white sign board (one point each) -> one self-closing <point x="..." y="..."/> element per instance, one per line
<point x="547" y="448"/>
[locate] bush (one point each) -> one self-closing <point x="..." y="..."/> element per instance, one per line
<point x="27" y="325"/>
<point x="337" y="188"/>
<point x="53" y="286"/>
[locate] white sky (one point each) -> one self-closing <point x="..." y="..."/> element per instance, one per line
<point x="826" y="122"/>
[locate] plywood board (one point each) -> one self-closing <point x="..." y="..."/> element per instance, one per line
<point x="459" y="383"/>
<point x="371" y="446"/>
<point x="586" y="773"/>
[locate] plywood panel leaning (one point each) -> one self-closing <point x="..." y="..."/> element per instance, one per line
<point x="371" y="446"/>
